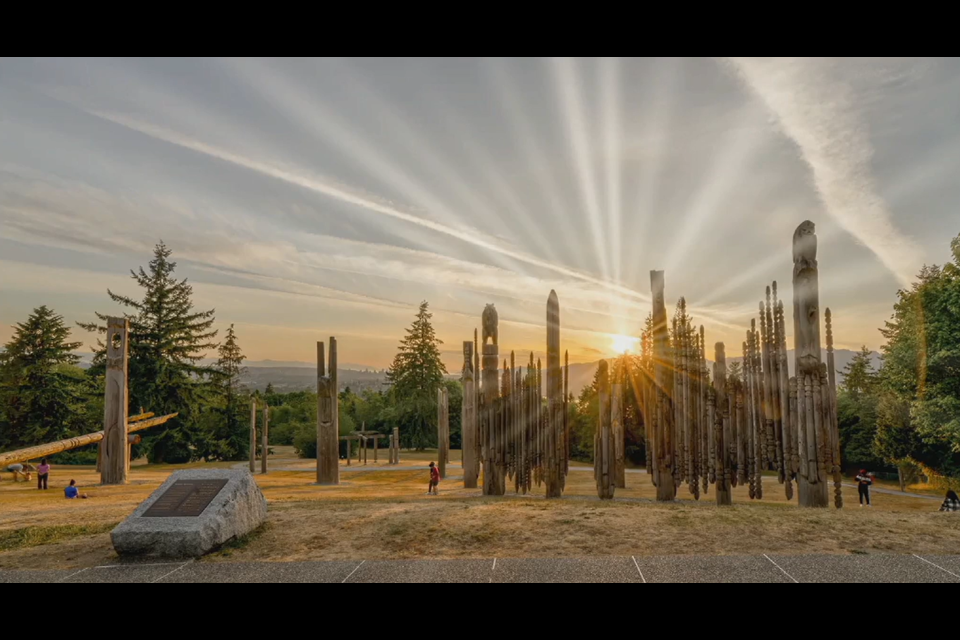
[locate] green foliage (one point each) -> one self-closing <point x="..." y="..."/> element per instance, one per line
<point x="42" y="392"/>
<point x="168" y="338"/>
<point x="226" y="423"/>
<point x="921" y="371"/>
<point x="416" y="375"/>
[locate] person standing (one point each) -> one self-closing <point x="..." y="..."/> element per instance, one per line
<point x="434" y="480"/>
<point x="43" y="475"/>
<point x="863" y="487"/>
<point x="951" y="503"/>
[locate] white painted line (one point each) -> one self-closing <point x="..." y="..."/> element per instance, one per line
<point x="637" y="565"/>
<point x="353" y="572"/>
<point x="936" y="565"/>
<point x="494" y="564"/>
<point x="795" y="581"/>
<point x="65" y="578"/>
<point x="167" y="575"/>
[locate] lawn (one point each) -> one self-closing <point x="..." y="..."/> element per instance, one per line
<point x="382" y="512"/>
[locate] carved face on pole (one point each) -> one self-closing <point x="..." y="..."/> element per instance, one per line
<point x="490" y="324"/>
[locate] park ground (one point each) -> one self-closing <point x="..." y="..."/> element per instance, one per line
<point x="383" y="513"/>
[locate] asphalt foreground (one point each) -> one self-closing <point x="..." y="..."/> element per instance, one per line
<point x="640" y="570"/>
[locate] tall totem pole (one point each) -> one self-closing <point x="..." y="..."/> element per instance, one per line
<point x="662" y="400"/>
<point x="813" y="441"/>
<point x="554" y="458"/>
<point x="492" y="485"/>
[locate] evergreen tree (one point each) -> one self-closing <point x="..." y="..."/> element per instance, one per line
<point x="168" y="339"/>
<point x="40" y="395"/>
<point x="416" y="375"/>
<point x="860" y="378"/>
<point x="229" y="434"/>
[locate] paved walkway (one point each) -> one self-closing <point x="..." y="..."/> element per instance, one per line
<point x="631" y="569"/>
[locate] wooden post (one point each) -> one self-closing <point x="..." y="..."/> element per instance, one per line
<point x="722" y="429"/>
<point x="468" y="419"/>
<point x="603" y="458"/>
<point x="442" y="441"/>
<point x="114" y="451"/>
<point x="348" y="451"/>
<point x="266" y="439"/>
<point x="553" y="460"/>
<point x="253" y="435"/>
<point x="617" y="432"/>
<point x="664" y="392"/>
<point x="328" y="419"/>
<point x="396" y="444"/>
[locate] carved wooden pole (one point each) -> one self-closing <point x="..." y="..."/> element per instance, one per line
<point x="491" y="395"/>
<point x="328" y="419"/>
<point x="806" y="295"/>
<point x="566" y="426"/>
<point x="253" y="435"/>
<point x="553" y="461"/>
<point x="113" y="449"/>
<point x="723" y="489"/>
<point x="663" y="380"/>
<point x="396" y="444"/>
<point x="266" y="439"/>
<point x="443" y="442"/>
<point x="603" y="464"/>
<point x="471" y="466"/>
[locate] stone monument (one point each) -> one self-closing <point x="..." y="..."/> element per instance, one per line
<point x="193" y="513"/>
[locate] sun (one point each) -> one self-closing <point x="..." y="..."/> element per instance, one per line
<point x="624" y="344"/>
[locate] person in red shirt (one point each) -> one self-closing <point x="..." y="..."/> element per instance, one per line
<point x="434" y="480"/>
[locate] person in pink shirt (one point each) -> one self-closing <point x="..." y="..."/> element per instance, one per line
<point x="43" y="475"/>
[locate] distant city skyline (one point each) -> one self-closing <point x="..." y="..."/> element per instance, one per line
<point x="310" y="198"/>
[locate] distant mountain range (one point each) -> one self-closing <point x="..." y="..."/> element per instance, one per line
<point x="302" y="376"/>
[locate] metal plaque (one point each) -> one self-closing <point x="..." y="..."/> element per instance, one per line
<point x="185" y="499"/>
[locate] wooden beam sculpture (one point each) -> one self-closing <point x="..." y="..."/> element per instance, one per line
<point x="328" y="423"/>
<point x="134" y="423"/>
<point x="468" y="419"/>
<point x="603" y="448"/>
<point x="113" y="449"/>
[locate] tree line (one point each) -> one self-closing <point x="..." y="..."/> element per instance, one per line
<point x="903" y="417"/>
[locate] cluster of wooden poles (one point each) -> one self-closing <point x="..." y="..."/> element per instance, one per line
<point x="520" y="437"/>
<point x="727" y="431"/>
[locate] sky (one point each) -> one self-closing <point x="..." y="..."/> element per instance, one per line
<point x="308" y="198"/>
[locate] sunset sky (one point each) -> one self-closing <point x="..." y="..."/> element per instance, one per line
<point x="310" y="198"/>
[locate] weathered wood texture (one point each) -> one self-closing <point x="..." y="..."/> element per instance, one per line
<point x="265" y="446"/>
<point x="253" y="435"/>
<point x="114" y="450"/>
<point x="554" y="453"/>
<point x="604" y="464"/>
<point x="328" y="422"/>
<point x="443" y="431"/>
<point x="468" y="419"/>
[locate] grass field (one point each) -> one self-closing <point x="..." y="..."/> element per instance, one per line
<point x="378" y="513"/>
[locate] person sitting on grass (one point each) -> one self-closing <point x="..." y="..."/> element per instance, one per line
<point x="72" y="492"/>
<point x="951" y="503"/>
<point x="433" y="489"/>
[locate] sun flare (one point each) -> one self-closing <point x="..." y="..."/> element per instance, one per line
<point x="625" y="344"/>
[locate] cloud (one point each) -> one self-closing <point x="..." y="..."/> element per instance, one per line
<point x="819" y="112"/>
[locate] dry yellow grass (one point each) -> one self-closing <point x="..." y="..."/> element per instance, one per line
<point x="380" y="513"/>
